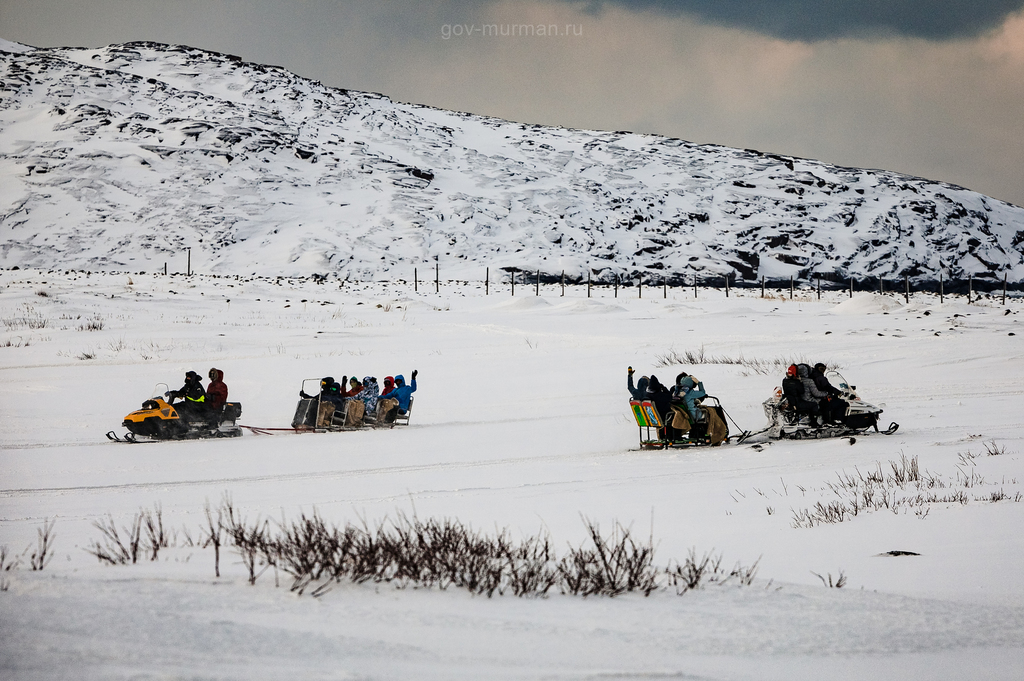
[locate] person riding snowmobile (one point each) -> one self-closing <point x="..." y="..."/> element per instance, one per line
<point x="192" y="395"/>
<point x="832" y="407"/>
<point x="793" y="389"/>
<point x="217" y="390"/>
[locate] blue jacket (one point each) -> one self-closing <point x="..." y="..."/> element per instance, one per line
<point x="690" y="391"/>
<point x="638" y="393"/>
<point x="402" y="392"/>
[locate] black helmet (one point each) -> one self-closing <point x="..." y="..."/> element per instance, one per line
<point x="326" y="382"/>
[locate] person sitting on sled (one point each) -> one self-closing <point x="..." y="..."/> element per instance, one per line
<point x="638" y="393"/>
<point x="689" y="390"/>
<point x="389" y="385"/>
<point x="354" y="388"/>
<point x="369" y="394"/>
<point x="661" y="398"/>
<point x="192" y="395"/>
<point x="328" y="391"/>
<point x="400" y="397"/>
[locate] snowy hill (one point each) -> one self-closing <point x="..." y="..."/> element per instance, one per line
<point x="121" y="157"/>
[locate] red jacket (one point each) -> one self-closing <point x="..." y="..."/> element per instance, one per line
<point x="217" y="391"/>
<point x="354" y="391"/>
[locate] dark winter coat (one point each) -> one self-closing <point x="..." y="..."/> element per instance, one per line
<point x="192" y="391"/>
<point x="217" y="390"/>
<point x="822" y="383"/>
<point x="660" y="396"/>
<point x="333" y="394"/>
<point x="402" y="392"/>
<point x="640" y="391"/>
<point x="793" y="389"/>
<point x="811" y="391"/>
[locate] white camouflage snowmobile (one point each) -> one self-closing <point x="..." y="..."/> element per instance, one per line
<point x="784" y="422"/>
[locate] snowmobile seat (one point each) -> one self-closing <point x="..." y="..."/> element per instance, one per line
<point x="231" y="411"/>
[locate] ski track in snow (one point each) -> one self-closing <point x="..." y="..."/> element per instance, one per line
<point x="521" y="421"/>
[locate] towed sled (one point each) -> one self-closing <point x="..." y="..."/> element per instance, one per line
<point x="161" y="420"/>
<point x="321" y="416"/>
<point x="784" y="422"/>
<point x="703" y="433"/>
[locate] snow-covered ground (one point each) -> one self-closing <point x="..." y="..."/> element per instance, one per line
<point x="521" y="421"/>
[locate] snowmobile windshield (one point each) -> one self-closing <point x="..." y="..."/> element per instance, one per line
<point x="158" y="390"/>
<point x="837" y="380"/>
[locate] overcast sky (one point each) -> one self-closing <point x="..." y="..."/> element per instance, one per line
<point x="933" y="88"/>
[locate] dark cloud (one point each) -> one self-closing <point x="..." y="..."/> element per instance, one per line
<point x="814" y="20"/>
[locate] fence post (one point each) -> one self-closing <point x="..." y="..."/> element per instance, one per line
<point x="538" y="282"/>
<point x="791" y="287"/>
<point x="664" y="284"/>
<point x="165" y="268"/>
<point x="563" y="283"/>
<point x="437" y="277"/>
<point x="881" y="287"/>
<point x="940" y="286"/>
<point x="415" y="280"/>
<point x="640" y="287"/>
<point x="727" y="286"/>
<point x="513" y="282"/>
<point x="906" y="288"/>
<point x="616" y="286"/>
<point x="588" y="282"/>
<point x="762" y="286"/>
<point x="819" y="287"/>
<point x="188" y="267"/>
<point x="1004" y="288"/>
<point x="851" y="287"/>
<point x="487" y="281"/>
<point x="695" y="286"/>
<point x="970" y="288"/>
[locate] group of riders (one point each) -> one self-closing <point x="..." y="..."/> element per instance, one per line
<point x="679" y="407"/>
<point x="356" y="398"/>
<point x="810" y="394"/>
<point x="197" y="402"/>
<point x="806" y="389"/>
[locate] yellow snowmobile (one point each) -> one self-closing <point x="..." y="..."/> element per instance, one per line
<point x="162" y="420"/>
